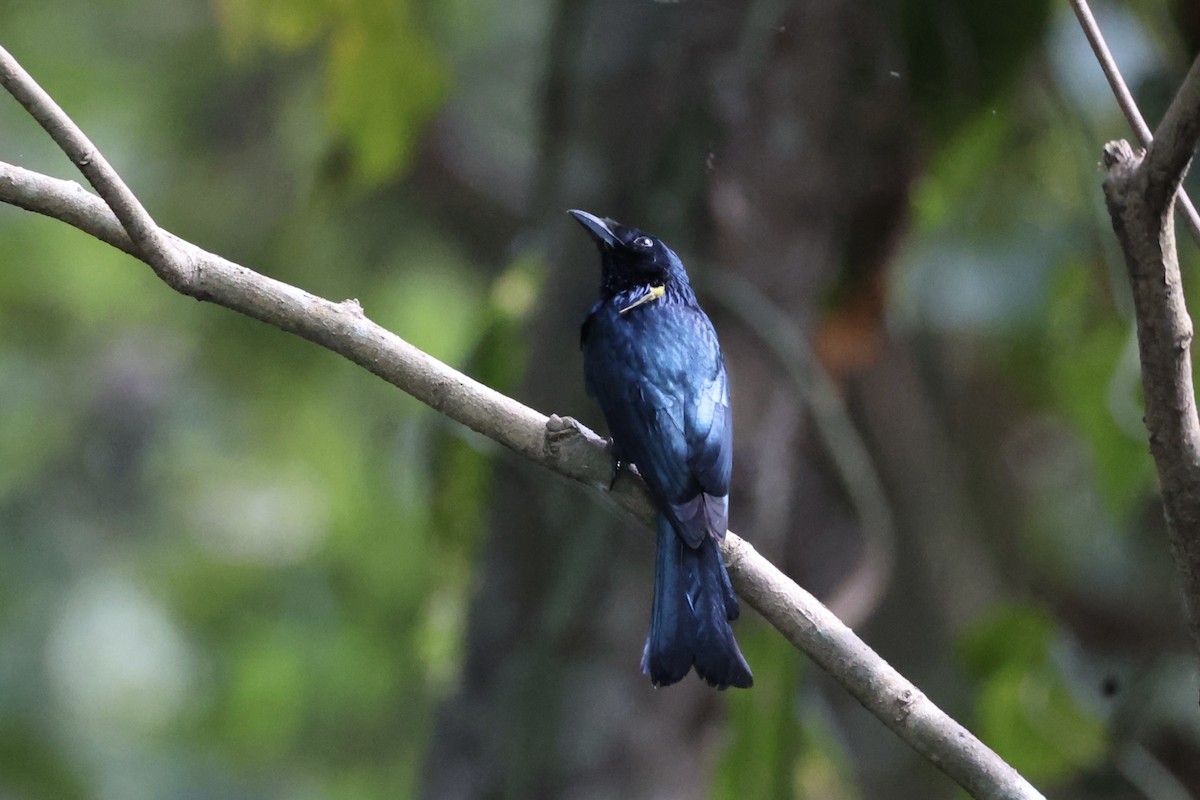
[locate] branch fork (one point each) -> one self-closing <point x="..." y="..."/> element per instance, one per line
<point x="1140" y="190"/>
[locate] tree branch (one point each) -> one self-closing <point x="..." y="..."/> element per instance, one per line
<point x="145" y="234"/>
<point x="1139" y="189"/>
<point x="558" y="443"/>
<point x="1174" y="143"/>
<point x="1128" y="105"/>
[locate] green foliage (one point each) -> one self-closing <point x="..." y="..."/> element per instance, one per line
<point x="964" y="161"/>
<point x="780" y="746"/>
<point x="250" y="24"/>
<point x="1024" y="708"/>
<point x="960" y="55"/>
<point x="268" y="694"/>
<point x="35" y="767"/>
<point x="384" y="82"/>
<point x="305" y="530"/>
<point x="1022" y="268"/>
<point x="760" y="758"/>
<point x="383" y="78"/>
<point x="1088" y="353"/>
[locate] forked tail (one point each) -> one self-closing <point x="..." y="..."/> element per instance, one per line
<point x="689" y="622"/>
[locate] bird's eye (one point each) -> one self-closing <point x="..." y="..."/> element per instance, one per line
<point x="644" y="242"/>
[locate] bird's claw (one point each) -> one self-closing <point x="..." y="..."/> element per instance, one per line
<point x="619" y="464"/>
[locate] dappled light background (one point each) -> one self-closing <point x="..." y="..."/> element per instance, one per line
<point x="234" y="565"/>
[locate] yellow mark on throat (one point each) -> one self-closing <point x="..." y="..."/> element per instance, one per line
<point x="654" y="293"/>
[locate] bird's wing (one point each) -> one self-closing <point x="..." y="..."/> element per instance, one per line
<point x="665" y="457"/>
<point x="710" y="435"/>
<point x="710" y="450"/>
<point x="648" y="426"/>
<point x="673" y="424"/>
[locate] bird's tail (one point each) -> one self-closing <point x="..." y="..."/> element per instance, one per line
<point x="689" y="623"/>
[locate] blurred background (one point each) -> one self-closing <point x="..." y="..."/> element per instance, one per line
<point x="233" y="565"/>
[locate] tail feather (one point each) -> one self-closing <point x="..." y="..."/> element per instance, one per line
<point x="689" y="623"/>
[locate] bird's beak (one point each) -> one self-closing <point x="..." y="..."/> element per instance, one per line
<point x="598" y="228"/>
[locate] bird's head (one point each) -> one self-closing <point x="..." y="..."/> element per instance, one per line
<point x="631" y="258"/>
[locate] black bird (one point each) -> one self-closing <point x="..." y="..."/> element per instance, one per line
<point x="652" y="361"/>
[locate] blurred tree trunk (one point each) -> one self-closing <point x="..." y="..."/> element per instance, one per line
<point x="775" y="140"/>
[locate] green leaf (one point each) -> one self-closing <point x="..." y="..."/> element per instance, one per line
<point x="1024" y="708"/>
<point x="266" y="706"/>
<point x="383" y="83"/>
<point x="383" y="78"/>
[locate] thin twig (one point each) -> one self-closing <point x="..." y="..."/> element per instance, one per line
<point x="1125" y="100"/>
<point x="558" y="443"/>
<point x="90" y="161"/>
<point x="1175" y="141"/>
<point x="1091" y="29"/>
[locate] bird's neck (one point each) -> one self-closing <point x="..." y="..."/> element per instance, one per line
<point x="641" y="294"/>
<point x="617" y="283"/>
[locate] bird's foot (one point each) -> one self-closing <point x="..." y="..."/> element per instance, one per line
<point x="619" y="464"/>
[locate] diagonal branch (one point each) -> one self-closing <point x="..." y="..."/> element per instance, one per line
<point x="557" y="443"/>
<point x="1168" y="156"/>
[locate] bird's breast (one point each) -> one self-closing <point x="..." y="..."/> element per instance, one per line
<point x="661" y="342"/>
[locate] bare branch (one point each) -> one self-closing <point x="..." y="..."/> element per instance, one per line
<point x="1168" y="156"/>
<point x="1164" y="329"/>
<point x="63" y="200"/>
<point x="1091" y="29"/>
<point x="558" y="443"/>
<point x="1139" y="191"/>
<point x="1129" y="106"/>
<point x="84" y="155"/>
